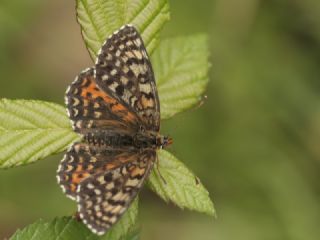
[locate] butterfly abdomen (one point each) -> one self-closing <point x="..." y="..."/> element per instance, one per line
<point x="109" y="138"/>
<point x="118" y="140"/>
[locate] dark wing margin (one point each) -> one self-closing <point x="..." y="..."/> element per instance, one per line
<point x="105" y="196"/>
<point x="124" y="70"/>
<point x="89" y="107"/>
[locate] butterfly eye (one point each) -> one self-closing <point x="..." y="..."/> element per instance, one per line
<point x="166" y="141"/>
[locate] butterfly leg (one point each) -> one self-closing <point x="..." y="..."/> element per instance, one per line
<point x="158" y="171"/>
<point x="77" y="216"/>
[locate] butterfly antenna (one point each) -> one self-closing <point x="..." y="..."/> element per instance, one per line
<point x="159" y="173"/>
<point x="203" y="99"/>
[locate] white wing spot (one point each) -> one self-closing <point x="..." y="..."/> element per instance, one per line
<point x="110" y="186"/>
<point x="116" y="209"/>
<point x="113" y="86"/>
<point x="129" y="54"/>
<point x="75" y="91"/>
<point x="136" y="69"/>
<point x="125" y="69"/>
<point x="68" y="89"/>
<point x="138" y="54"/>
<point x="86" y="70"/>
<point x="77" y="148"/>
<point x="99" y="214"/>
<point x="124" y="80"/>
<point x="97" y="114"/>
<point x="97" y="208"/>
<point x="101" y="179"/>
<point x="118" y="196"/>
<point x="90" y="123"/>
<point x="125" y="59"/>
<point x="99" y="199"/>
<point x="89" y="204"/>
<point x="113" y="72"/>
<point x="126" y="95"/>
<point x="138" y="42"/>
<point x="66" y="100"/>
<point x="76" y="101"/>
<point x="79" y="124"/>
<point x="63" y="189"/>
<point x="75" y="112"/>
<point x="105" y="77"/>
<point x="132" y="182"/>
<point x="145" y="88"/>
<point x="113" y="219"/>
<point x="96" y="105"/>
<point x="109" y="57"/>
<point x="129" y="43"/>
<point x="71" y="197"/>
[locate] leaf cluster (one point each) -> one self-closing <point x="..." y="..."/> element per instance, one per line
<point x="31" y="130"/>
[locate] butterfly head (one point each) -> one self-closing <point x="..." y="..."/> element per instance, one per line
<point x="164" y="141"/>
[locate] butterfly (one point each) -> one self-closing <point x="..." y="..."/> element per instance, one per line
<point x="115" y="107"/>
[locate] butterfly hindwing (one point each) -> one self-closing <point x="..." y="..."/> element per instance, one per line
<point x="123" y="69"/>
<point x="83" y="160"/>
<point x="102" y="198"/>
<point x="89" y="107"/>
<point x="76" y="165"/>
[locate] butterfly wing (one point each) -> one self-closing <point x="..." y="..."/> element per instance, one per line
<point x="103" y="197"/>
<point x="83" y="160"/>
<point x="91" y="108"/>
<point x="123" y="69"/>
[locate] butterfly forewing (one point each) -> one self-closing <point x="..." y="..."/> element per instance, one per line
<point x="78" y="163"/>
<point x="124" y="70"/>
<point x="102" y="198"/>
<point x="89" y="107"/>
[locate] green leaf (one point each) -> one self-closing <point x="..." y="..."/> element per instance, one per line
<point x="181" y="186"/>
<point x="59" y="228"/>
<point x="181" y="69"/>
<point x="32" y="130"/>
<point x="70" y="228"/>
<point x="99" y="18"/>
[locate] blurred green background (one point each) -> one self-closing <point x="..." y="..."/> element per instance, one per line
<point x="255" y="143"/>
